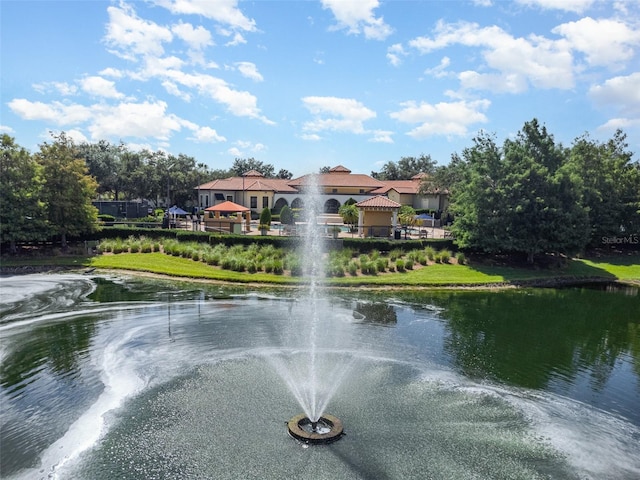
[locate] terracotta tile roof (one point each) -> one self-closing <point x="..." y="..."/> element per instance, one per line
<point x="332" y="180"/>
<point x="378" y="202"/>
<point x="227" y="207"/>
<point x="400" y="186"/>
<point x="249" y="184"/>
<point x="252" y="173"/>
<point x="339" y="169"/>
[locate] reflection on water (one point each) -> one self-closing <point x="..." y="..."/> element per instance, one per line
<point x="119" y="378"/>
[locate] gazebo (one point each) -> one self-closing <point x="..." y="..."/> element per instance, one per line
<point x="218" y="217"/>
<point x="377" y="216"/>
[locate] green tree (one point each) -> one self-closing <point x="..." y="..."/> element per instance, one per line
<point x="521" y="198"/>
<point x="241" y="166"/>
<point x="284" y="174"/>
<point x="406" y="168"/>
<point x="610" y="183"/>
<point x="68" y="188"/>
<point x="105" y="163"/>
<point x="265" y="219"/>
<point x="22" y="212"/>
<point x="407" y="217"/>
<point x="349" y="213"/>
<point x="286" y="215"/>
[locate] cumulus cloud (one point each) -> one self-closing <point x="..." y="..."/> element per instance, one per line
<point x="621" y="94"/>
<point x="249" y="70"/>
<point x="55" y="112"/>
<point x="337" y="114"/>
<point x="395" y="53"/>
<point x="197" y="38"/>
<point x="207" y="135"/>
<point x="124" y="120"/>
<point x="223" y="11"/>
<point x="358" y="17"/>
<point x="517" y="62"/>
<point x="129" y="36"/>
<point x="446" y="119"/>
<point x="604" y="42"/>
<point x="100" y="87"/>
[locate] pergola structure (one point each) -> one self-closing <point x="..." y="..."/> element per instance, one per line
<point x="377" y="216"/>
<point x="214" y="217"/>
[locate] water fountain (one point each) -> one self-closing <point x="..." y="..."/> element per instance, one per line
<point x="316" y="371"/>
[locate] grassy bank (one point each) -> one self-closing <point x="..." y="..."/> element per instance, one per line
<point x="622" y="268"/>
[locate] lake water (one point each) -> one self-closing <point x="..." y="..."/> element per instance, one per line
<point x="107" y="377"/>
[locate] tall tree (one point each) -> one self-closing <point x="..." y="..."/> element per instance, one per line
<point x="241" y="166"/>
<point x="610" y="185"/>
<point x="68" y="188"/>
<point x="105" y="163"/>
<point x="22" y="212"/>
<point x="520" y="198"/>
<point x="406" y="168"/>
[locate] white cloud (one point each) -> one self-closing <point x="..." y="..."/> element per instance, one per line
<point x="381" y="136"/>
<point x="207" y="135"/>
<point x="100" y="87"/>
<point x="63" y="88"/>
<point x="535" y="60"/>
<point x="129" y="36"/>
<point x="448" y="119"/>
<point x="312" y="137"/>
<point x="604" y="42"/>
<point x="125" y="120"/>
<point x="223" y="11"/>
<point x="249" y="70"/>
<point x="619" y="93"/>
<point x="340" y="114"/>
<point x="6" y="129"/>
<point x="197" y="38"/>
<point x="173" y="89"/>
<point x="357" y="17"/>
<point x="146" y="119"/>
<point x="577" y="6"/>
<point x="440" y="70"/>
<point x="55" y="112"/>
<point x="395" y="53"/>
<point x="111" y="72"/>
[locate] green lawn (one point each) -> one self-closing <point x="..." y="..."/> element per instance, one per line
<point x="613" y="268"/>
<point x="625" y="268"/>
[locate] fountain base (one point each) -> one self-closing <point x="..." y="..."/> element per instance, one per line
<point x="326" y="430"/>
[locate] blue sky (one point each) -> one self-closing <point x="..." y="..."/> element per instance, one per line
<point x="306" y="84"/>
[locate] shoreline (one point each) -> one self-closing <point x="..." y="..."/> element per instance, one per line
<point x="553" y="282"/>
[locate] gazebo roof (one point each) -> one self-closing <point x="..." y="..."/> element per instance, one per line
<point x="227" y="207"/>
<point x="378" y="203"/>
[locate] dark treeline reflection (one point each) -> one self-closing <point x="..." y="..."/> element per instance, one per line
<point x="525" y="338"/>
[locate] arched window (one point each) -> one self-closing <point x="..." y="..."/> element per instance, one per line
<point x="297" y="203"/>
<point x="279" y="204"/>
<point x="331" y="206"/>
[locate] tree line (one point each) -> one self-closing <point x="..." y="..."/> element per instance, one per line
<point x="530" y="195"/>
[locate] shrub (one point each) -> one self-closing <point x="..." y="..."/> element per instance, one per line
<point x="382" y="264"/>
<point x="430" y="253"/>
<point x="400" y="265"/>
<point x="408" y="264"/>
<point x="445" y="256"/>
<point x="395" y="254"/>
<point x="352" y="267"/>
<point x="460" y="258"/>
